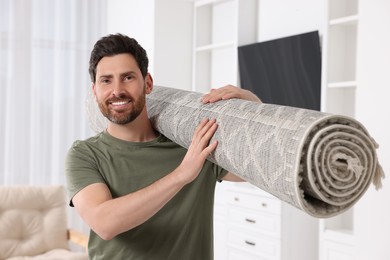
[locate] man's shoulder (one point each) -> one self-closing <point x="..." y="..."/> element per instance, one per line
<point x="88" y="140"/>
<point x="168" y="143"/>
<point x="86" y="144"/>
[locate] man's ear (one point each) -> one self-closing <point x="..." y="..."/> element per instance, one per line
<point x="93" y="89"/>
<point x="148" y="83"/>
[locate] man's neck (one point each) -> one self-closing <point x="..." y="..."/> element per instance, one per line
<point x="136" y="131"/>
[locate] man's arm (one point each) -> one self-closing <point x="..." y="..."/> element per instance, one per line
<point x="232" y="177"/>
<point x="228" y="92"/>
<point x="109" y="217"/>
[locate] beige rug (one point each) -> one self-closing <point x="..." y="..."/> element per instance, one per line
<point x="318" y="162"/>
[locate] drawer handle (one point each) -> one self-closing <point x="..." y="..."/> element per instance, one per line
<point x="264" y="205"/>
<point x="250" y="220"/>
<point x="236" y="199"/>
<point x="250" y="243"/>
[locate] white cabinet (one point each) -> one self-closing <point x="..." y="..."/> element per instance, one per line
<point x="220" y="223"/>
<point x="339" y="85"/>
<point x="219" y="28"/>
<point x="254" y="223"/>
<point x="337" y="251"/>
<point x="260" y="226"/>
<point x="339" y="57"/>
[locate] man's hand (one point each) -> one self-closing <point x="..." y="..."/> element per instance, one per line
<point x="228" y="92"/>
<point x="198" y="151"/>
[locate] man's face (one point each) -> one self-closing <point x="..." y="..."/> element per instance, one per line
<point x="119" y="88"/>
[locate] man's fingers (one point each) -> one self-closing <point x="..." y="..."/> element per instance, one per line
<point x="228" y="92"/>
<point x="219" y="94"/>
<point x="210" y="148"/>
<point x="204" y="127"/>
<point x="201" y="139"/>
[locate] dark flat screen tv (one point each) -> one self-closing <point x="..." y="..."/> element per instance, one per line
<point x="284" y="71"/>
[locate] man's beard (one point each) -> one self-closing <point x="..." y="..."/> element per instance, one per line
<point x="124" y="117"/>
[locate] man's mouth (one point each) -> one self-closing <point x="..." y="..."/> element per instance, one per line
<point x="119" y="103"/>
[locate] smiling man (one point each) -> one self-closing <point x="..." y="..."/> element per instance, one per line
<point x="143" y="196"/>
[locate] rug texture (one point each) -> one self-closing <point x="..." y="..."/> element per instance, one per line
<point x="318" y="162"/>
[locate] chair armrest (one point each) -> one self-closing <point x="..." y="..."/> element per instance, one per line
<point x="78" y="238"/>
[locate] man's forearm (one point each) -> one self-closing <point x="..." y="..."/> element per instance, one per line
<point x="114" y="216"/>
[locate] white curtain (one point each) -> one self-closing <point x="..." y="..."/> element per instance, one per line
<point x="44" y="53"/>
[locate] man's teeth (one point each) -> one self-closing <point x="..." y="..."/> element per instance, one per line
<point x="118" y="103"/>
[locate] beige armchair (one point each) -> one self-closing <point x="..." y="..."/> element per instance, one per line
<point x="33" y="224"/>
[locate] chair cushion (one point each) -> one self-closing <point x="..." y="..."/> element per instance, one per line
<point x="32" y="220"/>
<point x="55" y="254"/>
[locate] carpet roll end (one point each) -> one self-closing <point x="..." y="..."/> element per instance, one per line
<point x="379" y="175"/>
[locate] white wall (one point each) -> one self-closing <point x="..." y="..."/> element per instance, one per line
<point x="135" y="19"/>
<point x="282" y="18"/>
<point x="372" y="212"/>
<point x="173" y="43"/>
<point x="164" y="29"/>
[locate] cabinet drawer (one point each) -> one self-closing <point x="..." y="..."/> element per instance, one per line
<point x="234" y="254"/>
<point x="220" y="210"/>
<point x="253" y="243"/>
<point x="337" y="251"/>
<point x="255" y="202"/>
<point x="268" y="224"/>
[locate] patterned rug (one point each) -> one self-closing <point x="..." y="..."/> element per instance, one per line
<point x="318" y="162"/>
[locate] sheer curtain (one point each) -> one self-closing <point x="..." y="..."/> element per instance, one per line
<point x="44" y="52"/>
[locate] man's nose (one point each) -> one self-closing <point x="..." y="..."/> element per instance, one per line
<point x="118" y="89"/>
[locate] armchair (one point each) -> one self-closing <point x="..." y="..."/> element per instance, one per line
<point x="33" y="224"/>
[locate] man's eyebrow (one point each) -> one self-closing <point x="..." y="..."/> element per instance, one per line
<point x="105" y="76"/>
<point x="124" y="74"/>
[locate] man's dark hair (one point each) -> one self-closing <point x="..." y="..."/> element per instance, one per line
<point x="114" y="44"/>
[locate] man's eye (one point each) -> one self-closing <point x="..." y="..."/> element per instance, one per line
<point x="128" y="77"/>
<point x="104" y="81"/>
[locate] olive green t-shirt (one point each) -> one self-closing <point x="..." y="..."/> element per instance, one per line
<point x="182" y="229"/>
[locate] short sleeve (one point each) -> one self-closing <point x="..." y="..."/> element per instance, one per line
<point x="81" y="169"/>
<point x="220" y="172"/>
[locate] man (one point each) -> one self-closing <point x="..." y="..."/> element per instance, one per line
<point x="143" y="196"/>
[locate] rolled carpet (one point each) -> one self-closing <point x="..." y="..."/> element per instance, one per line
<point x="318" y="162"/>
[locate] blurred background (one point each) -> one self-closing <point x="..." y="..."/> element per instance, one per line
<point x="193" y="45"/>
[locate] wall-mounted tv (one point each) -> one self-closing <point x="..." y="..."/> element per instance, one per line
<point x="284" y="71"/>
